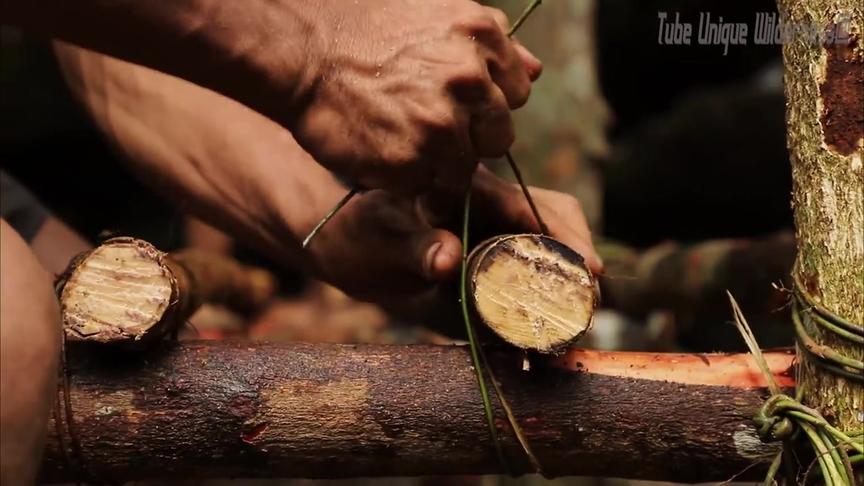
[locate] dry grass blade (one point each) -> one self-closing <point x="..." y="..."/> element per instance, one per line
<point x="514" y="424"/>
<point x="753" y="346"/>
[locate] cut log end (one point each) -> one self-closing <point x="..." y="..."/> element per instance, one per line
<point x="120" y="291"/>
<point x="532" y="291"/>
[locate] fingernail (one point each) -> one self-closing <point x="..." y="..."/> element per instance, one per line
<point x="430" y="262"/>
<point x="598" y="264"/>
<point x="445" y="262"/>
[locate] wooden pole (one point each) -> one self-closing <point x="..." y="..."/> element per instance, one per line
<point x="825" y="116"/>
<point x="237" y="409"/>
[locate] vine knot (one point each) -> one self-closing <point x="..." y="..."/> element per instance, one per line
<point x="771" y="424"/>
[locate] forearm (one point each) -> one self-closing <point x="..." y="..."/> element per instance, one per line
<point x="214" y="157"/>
<point x="251" y="50"/>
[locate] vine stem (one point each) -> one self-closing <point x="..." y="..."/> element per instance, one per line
<point x="511" y="418"/>
<point x="327" y="217"/>
<point x="472" y="339"/>
<point x="523" y="16"/>
<point x="515" y="168"/>
<point x="828" y="442"/>
<point x="477" y="354"/>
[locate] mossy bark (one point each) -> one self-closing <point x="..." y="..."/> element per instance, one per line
<point x="825" y="119"/>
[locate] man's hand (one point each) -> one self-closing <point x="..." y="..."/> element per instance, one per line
<point x="242" y="172"/>
<point x="382" y="247"/>
<point x="503" y="209"/>
<point x="397" y="94"/>
<point x="409" y="93"/>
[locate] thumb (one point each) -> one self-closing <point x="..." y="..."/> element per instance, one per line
<point x="436" y="254"/>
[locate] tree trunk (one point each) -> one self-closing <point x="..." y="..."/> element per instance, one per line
<point x="825" y="117"/>
<point x="198" y="409"/>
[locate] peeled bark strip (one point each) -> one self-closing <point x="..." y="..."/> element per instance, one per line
<point x="532" y="291"/>
<point x="230" y="409"/>
<point x="127" y="292"/>
<point x="825" y="117"/>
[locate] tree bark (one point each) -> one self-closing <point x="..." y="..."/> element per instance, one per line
<point x="199" y="409"/>
<point x="825" y="118"/>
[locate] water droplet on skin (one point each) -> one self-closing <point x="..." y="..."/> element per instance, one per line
<point x="377" y="74"/>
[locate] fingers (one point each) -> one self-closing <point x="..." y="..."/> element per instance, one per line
<point x="485" y="85"/>
<point x="399" y="239"/>
<point x="491" y="126"/>
<point x="561" y="212"/>
<point x="492" y="90"/>
<point x="504" y="63"/>
<point x="577" y="235"/>
<point x="492" y="131"/>
<point x="532" y="64"/>
<point x="435" y="254"/>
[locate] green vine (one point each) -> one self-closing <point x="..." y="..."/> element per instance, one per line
<point x="781" y="416"/>
<point x="478" y="357"/>
<point x="472" y="340"/>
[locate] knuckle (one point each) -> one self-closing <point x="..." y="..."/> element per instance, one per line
<point x="468" y="73"/>
<point x="507" y="137"/>
<point x="499" y="17"/>
<point x="468" y="80"/>
<point x="438" y="121"/>
<point x="399" y="156"/>
<point x="479" y="23"/>
<point x="519" y="96"/>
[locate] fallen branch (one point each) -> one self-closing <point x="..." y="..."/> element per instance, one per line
<point x="230" y="409"/>
<point x="691" y="279"/>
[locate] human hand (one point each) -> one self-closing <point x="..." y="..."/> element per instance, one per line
<point x="388" y="249"/>
<point x="502" y="208"/>
<point x="407" y="94"/>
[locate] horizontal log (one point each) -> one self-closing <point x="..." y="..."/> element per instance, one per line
<point x="245" y="409"/>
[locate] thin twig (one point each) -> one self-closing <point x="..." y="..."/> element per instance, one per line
<point x="525" y="13"/>
<point x="472" y="340"/>
<point x="514" y="424"/>
<point x="327" y="217"/>
<point x="511" y="418"/>
<point x="543" y="228"/>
